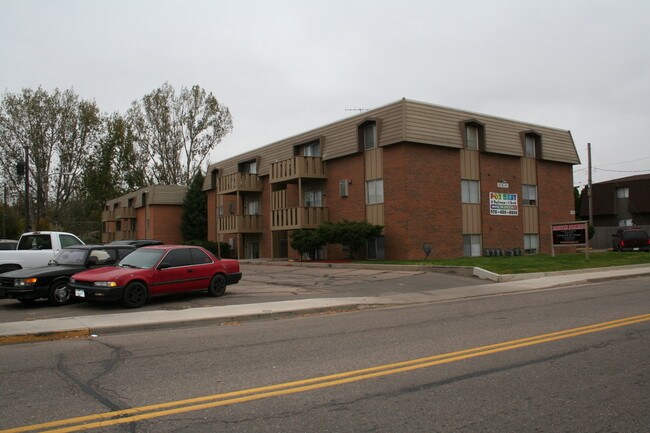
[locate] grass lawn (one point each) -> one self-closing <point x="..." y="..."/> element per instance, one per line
<point x="537" y="263"/>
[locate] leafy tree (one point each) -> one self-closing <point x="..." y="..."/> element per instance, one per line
<point x="58" y="130"/>
<point x="194" y="220"/>
<point x="307" y="241"/>
<point x="175" y="133"/>
<point x="352" y="235"/>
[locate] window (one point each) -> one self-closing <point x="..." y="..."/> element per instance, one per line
<point x="470" y="191"/>
<point x="625" y="222"/>
<point x="471" y="137"/>
<point x="199" y="257"/>
<point x="343" y="188"/>
<point x="311" y="149"/>
<point x="249" y="167"/>
<point x="530" y="146"/>
<point x="179" y="257"/>
<point x="531" y="244"/>
<point x="623" y="192"/>
<point x="472" y="245"/>
<point x="252" y="206"/>
<point x="376" y="249"/>
<point x="370" y="136"/>
<point x="375" y="191"/>
<point x="313" y="198"/>
<point x="68" y="241"/>
<point x="529" y="195"/>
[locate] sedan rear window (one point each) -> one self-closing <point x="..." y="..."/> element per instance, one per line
<point x="141" y="259"/>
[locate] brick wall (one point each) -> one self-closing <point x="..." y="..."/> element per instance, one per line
<point x="165" y="223"/>
<point x="500" y="231"/>
<point x="556" y="201"/>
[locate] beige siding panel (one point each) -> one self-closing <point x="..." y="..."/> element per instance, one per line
<point x="528" y="171"/>
<point x="375" y="214"/>
<point x="413" y="121"/>
<point x="531" y="219"/>
<point x="374" y="162"/>
<point x="440" y="126"/>
<point x="471" y="218"/>
<point x="469" y="164"/>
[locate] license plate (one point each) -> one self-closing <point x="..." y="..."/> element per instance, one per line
<point x="79" y="293"/>
<point x="636" y="249"/>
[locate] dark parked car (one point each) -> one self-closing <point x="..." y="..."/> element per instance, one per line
<point x="51" y="281"/>
<point x="154" y="271"/>
<point x="137" y="242"/>
<point x="8" y="244"/>
<point x="631" y="239"/>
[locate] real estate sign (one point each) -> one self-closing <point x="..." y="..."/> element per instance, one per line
<point x="569" y="233"/>
<point x="503" y="203"/>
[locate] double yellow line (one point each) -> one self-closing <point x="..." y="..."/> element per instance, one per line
<point x="199" y="403"/>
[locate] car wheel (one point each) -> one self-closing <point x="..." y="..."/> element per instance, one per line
<point x="135" y="295"/>
<point x="217" y="285"/>
<point x="59" y="294"/>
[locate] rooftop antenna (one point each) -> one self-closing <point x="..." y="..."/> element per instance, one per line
<point x="358" y="110"/>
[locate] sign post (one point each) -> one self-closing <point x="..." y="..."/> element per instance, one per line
<point x="574" y="233"/>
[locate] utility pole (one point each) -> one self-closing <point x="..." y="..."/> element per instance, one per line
<point x="591" y="204"/>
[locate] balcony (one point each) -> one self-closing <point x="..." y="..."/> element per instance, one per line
<point x="244" y="182"/>
<point x="298" y="218"/>
<point x="241" y="224"/>
<point x="309" y="167"/>
<point x="124" y="212"/>
<point x="108" y="215"/>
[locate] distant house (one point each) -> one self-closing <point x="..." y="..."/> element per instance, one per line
<point x="153" y="212"/>
<point x="619" y="202"/>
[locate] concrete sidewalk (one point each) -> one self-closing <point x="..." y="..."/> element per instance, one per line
<point x="74" y="327"/>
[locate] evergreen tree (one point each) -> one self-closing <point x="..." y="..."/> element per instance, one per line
<point x="194" y="221"/>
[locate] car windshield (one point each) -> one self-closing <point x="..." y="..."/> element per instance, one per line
<point x="141" y="259"/>
<point x="70" y="256"/>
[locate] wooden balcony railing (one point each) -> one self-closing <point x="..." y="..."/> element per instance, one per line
<point x="124" y="212"/>
<point x="239" y="182"/>
<point x="241" y="224"/>
<point x="298" y="167"/>
<point x="108" y="215"/>
<point x="298" y="218"/>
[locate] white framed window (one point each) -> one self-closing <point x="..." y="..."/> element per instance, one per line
<point x="529" y="195"/>
<point x="375" y="191"/>
<point x="531" y="243"/>
<point x="531" y="142"/>
<point x="252" y="206"/>
<point x="311" y="149"/>
<point x="625" y="222"/>
<point x="470" y="191"/>
<point x="313" y="198"/>
<point x="623" y="192"/>
<point x="343" y="188"/>
<point x="472" y="245"/>
<point x="370" y="136"/>
<point x="471" y="137"/>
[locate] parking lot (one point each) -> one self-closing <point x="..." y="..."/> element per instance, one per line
<point x="263" y="282"/>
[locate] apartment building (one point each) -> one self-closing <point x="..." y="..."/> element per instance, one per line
<point x="153" y="212"/>
<point x="454" y="181"/>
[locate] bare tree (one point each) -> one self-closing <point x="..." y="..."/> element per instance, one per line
<point x="177" y="132"/>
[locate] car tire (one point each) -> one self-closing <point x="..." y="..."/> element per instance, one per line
<point x="217" y="286"/>
<point x="59" y="294"/>
<point x="135" y="295"/>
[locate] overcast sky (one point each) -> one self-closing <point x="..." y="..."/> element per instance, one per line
<point x="285" y="67"/>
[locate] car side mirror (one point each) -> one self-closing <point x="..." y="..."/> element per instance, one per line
<point x="164" y="265"/>
<point x="92" y="262"/>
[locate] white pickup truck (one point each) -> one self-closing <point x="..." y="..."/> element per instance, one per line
<point x="36" y="249"/>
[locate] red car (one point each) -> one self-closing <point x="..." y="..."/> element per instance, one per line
<point x="154" y="271"/>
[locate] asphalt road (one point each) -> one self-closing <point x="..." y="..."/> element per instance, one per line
<point x="261" y="283"/>
<point x="430" y="368"/>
